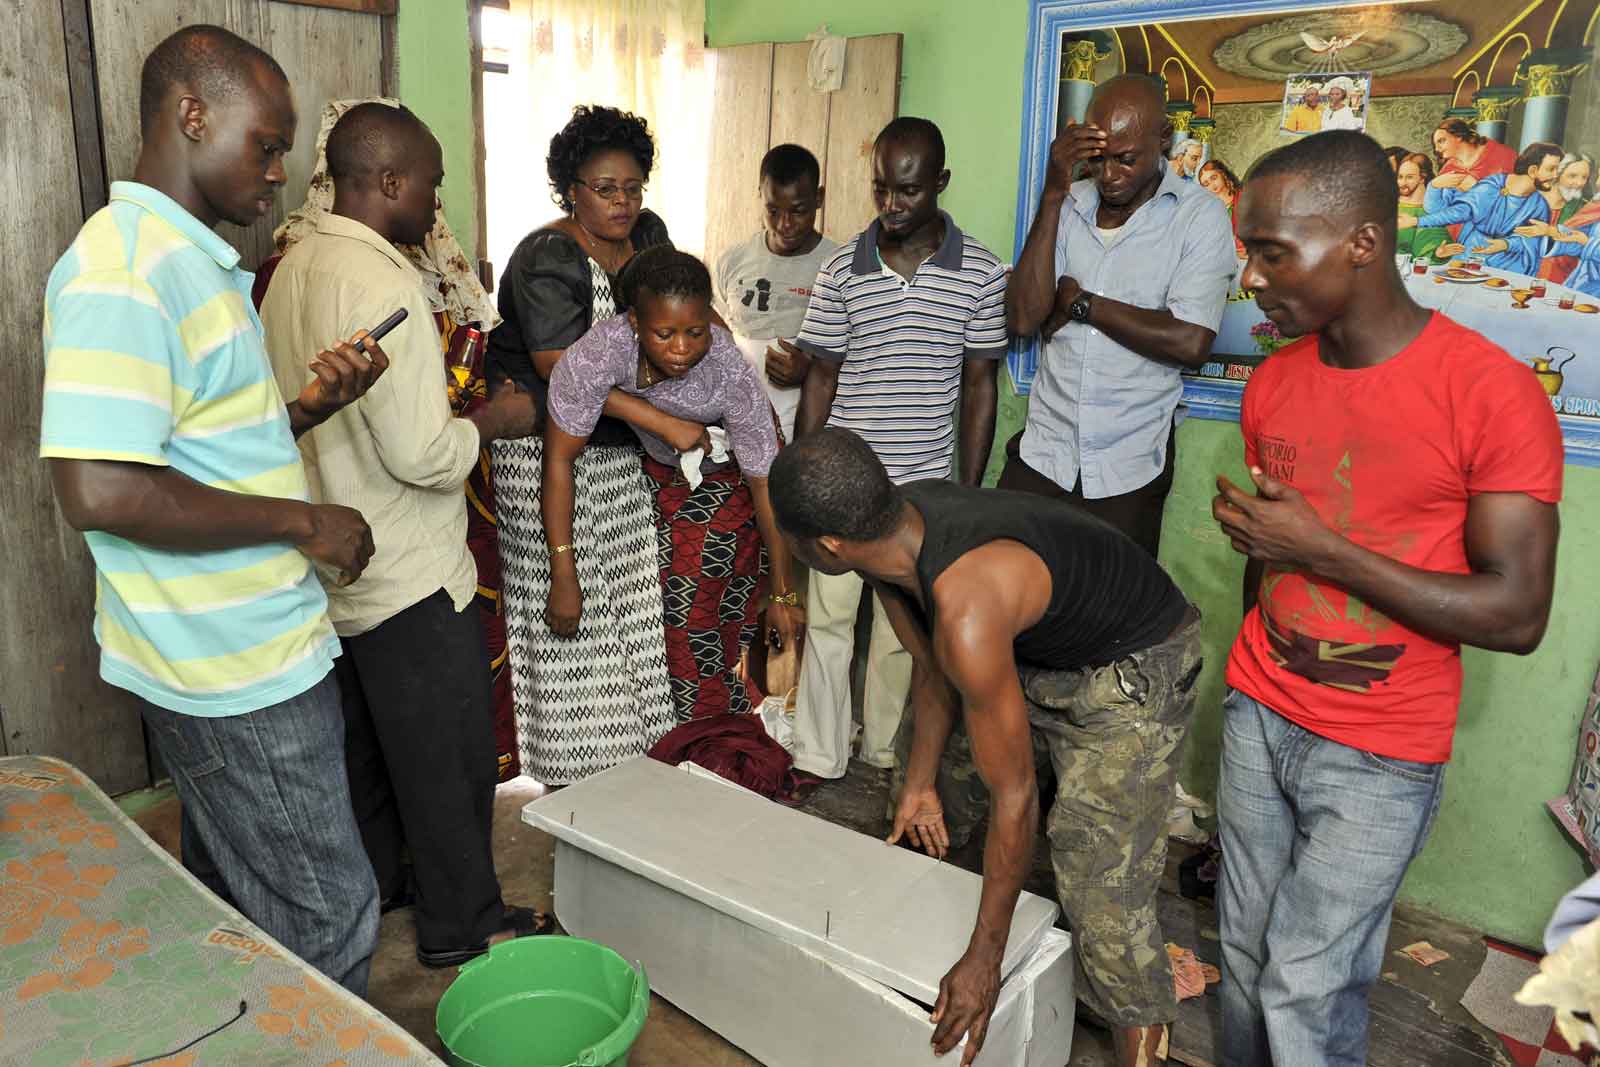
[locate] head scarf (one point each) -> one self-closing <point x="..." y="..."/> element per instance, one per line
<point x="447" y="274"/>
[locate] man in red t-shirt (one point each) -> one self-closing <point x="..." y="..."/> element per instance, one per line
<point x="1406" y="473"/>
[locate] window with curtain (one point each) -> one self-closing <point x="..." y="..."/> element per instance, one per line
<point x="644" y="56"/>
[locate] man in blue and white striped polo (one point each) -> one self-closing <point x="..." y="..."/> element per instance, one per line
<point x="904" y="321"/>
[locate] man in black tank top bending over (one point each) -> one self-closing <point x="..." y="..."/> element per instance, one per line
<point x="1034" y="626"/>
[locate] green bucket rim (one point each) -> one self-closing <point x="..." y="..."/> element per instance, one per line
<point x="609" y="1048"/>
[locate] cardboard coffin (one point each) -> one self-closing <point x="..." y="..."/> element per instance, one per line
<point x="798" y="940"/>
<point x="785" y="1005"/>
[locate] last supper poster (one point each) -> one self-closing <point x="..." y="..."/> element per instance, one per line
<point x="1490" y="115"/>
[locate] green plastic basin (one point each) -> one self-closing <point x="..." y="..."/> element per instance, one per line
<point x="544" y="1002"/>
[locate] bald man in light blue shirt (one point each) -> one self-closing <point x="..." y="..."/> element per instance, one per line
<point x="1124" y="274"/>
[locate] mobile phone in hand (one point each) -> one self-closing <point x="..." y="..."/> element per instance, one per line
<point x="376" y="333"/>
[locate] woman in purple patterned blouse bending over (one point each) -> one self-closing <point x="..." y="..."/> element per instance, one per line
<point x="667" y="351"/>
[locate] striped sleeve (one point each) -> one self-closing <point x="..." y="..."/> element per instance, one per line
<point x="109" y="385"/>
<point x="986" y="335"/>
<point x="825" y="333"/>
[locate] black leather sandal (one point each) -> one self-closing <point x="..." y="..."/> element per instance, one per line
<point x="519" y="922"/>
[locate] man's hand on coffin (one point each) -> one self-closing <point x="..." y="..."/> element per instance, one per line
<point x="967" y="997"/>
<point x="920" y="817"/>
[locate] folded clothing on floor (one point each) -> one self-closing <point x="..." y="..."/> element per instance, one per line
<point x="736" y="747"/>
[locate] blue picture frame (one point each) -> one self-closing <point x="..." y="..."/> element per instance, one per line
<point x="1207" y="398"/>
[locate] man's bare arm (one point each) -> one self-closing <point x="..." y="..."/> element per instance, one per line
<point x="1154" y="333"/>
<point x="933" y="702"/>
<point x="1031" y="290"/>
<point x="979" y="395"/>
<point x="816" y="396"/>
<point x="974" y="644"/>
<point x="163" y="508"/>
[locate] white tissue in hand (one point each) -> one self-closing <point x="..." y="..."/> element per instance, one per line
<point x="719" y="443"/>
<point x="689" y="462"/>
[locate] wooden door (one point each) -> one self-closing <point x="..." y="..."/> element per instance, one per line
<point x="763" y="99"/>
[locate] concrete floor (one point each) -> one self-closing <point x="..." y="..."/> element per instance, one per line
<point x="407" y="992"/>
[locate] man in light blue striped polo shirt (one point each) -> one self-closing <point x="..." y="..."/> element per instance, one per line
<point x="905" y="324"/>
<point x="171" y="448"/>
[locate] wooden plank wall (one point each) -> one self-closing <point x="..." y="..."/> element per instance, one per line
<point x="302" y="39"/>
<point x="51" y="698"/>
<point x="763" y="99"/>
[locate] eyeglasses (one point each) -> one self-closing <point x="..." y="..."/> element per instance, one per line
<point x="612" y="191"/>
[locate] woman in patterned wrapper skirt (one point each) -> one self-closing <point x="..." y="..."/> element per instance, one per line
<point x="586" y="703"/>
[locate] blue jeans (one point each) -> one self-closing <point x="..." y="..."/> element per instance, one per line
<point x="265" y="794"/>
<point x="1316" y="837"/>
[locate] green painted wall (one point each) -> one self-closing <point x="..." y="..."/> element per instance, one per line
<point x="433" y="55"/>
<point x="1496" y="859"/>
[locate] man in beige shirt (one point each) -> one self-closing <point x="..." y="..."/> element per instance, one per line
<point x="419" y="746"/>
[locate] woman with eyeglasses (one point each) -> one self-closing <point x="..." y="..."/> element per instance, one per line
<point x="587" y="701"/>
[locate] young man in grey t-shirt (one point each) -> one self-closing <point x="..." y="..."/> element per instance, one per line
<point x="763" y="285"/>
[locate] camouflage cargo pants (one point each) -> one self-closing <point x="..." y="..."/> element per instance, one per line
<point x="1113" y="736"/>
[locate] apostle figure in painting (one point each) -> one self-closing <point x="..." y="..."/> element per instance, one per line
<point x="1495" y="212"/>
<point x="1574" y="222"/>
<point x="1414" y="176"/>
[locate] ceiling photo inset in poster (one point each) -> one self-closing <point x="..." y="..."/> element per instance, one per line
<point x="1316" y="102"/>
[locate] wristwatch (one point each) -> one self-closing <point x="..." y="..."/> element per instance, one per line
<point x="1078" y="310"/>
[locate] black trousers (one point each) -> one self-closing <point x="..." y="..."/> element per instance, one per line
<point x="1137" y="514"/>
<point x="420" y="754"/>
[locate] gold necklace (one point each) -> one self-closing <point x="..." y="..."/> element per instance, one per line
<point x="596" y="244"/>
<point x="647" y="373"/>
